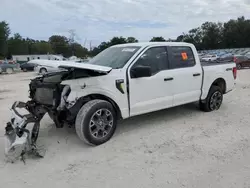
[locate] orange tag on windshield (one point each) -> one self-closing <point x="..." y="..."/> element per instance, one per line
<point x="184" y="56"/>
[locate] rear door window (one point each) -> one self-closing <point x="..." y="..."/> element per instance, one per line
<point x="181" y="57"/>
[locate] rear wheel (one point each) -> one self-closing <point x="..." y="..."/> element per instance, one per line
<point x="96" y="122"/>
<point x="213" y="101"/>
<point x="43" y="71"/>
<point x="239" y="66"/>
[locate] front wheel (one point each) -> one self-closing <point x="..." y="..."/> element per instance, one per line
<point x="213" y="101"/>
<point x="96" y="122"/>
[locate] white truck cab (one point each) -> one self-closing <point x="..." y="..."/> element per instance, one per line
<point x="128" y="80"/>
<point x="144" y="77"/>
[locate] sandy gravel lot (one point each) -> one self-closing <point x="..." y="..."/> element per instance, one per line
<point x="179" y="147"/>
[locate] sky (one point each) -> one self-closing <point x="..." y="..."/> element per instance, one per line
<point x="99" y="20"/>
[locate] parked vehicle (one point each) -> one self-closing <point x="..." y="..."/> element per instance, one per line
<point x="247" y="55"/>
<point x="121" y="82"/>
<point x="241" y="61"/>
<point x="7" y="67"/>
<point x="209" y="58"/>
<point x="27" y="67"/>
<point x="48" y="66"/>
<point x="226" y="57"/>
<point x="45" y="66"/>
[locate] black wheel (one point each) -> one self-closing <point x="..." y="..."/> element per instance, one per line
<point x="213" y="101"/>
<point x="239" y="66"/>
<point x="43" y="71"/>
<point x="35" y="133"/>
<point x="96" y="122"/>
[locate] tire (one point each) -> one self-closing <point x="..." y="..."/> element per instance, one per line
<point x="9" y="70"/>
<point x="239" y="66"/>
<point x="35" y="133"/>
<point x="43" y="71"/>
<point x="213" y="101"/>
<point x="86" y="116"/>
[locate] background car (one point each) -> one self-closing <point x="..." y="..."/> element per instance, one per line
<point x="209" y="58"/>
<point x="241" y="61"/>
<point x="226" y="57"/>
<point x="7" y="67"/>
<point x="27" y="67"/>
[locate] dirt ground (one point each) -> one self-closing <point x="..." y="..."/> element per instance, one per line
<point x="178" y="147"/>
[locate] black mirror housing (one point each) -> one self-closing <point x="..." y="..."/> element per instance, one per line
<point x="140" y="71"/>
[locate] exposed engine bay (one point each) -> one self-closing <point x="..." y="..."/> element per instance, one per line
<point x="47" y="95"/>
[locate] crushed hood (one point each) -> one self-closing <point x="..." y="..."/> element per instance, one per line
<point x="85" y="66"/>
<point x="72" y="64"/>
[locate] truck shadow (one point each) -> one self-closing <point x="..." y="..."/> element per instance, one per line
<point x="52" y="137"/>
<point x="158" y="117"/>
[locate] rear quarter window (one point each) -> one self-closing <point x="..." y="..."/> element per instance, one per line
<point x="181" y="57"/>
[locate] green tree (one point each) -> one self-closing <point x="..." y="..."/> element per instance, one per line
<point x="60" y="45"/>
<point x="211" y="35"/>
<point x="18" y="45"/>
<point x="43" y="47"/>
<point x="113" y="41"/>
<point x="79" y="50"/>
<point x="157" y="39"/>
<point x="236" y="33"/>
<point x="117" y="40"/>
<point x="4" y="34"/>
<point x="131" y="40"/>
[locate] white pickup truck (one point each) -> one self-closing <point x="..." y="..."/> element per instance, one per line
<point x="124" y="81"/>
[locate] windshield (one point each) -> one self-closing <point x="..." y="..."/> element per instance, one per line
<point x="114" y="57"/>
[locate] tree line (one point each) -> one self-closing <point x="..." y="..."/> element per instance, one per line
<point x="210" y="35"/>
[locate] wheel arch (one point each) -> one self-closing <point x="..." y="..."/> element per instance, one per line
<point x="220" y="82"/>
<point x="83" y="100"/>
<point x="42" y="68"/>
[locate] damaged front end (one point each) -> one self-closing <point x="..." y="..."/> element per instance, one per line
<point x="47" y="95"/>
<point x="21" y="132"/>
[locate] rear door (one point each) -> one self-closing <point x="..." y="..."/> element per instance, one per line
<point x="152" y="93"/>
<point x="187" y="75"/>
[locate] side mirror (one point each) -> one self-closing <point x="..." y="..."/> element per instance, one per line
<point x="141" y="71"/>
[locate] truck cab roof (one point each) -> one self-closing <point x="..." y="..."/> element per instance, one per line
<point x="145" y="44"/>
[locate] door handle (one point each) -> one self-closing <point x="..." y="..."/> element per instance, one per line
<point x="168" y="79"/>
<point x="196" y="74"/>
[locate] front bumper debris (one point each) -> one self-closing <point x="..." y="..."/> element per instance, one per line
<point x="21" y="133"/>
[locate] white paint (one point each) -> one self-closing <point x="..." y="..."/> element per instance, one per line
<point x="54" y="65"/>
<point x="171" y="148"/>
<point x="152" y="93"/>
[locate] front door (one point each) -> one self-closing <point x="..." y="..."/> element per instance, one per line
<point x="147" y="94"/>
